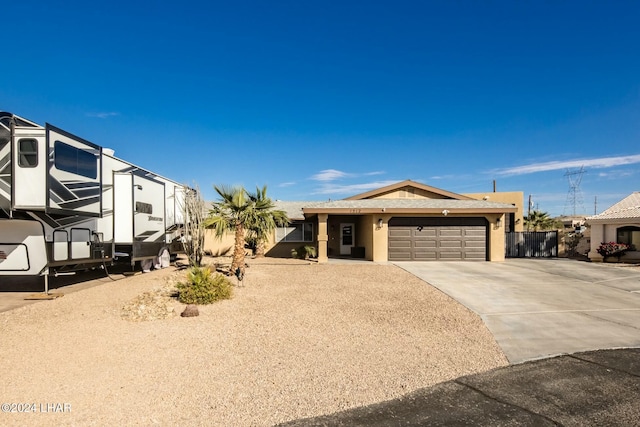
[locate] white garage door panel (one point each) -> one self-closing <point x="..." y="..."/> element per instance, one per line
<point x="447" y="232"/>
<point x="400" y="244"/>
<point x="450" y="243"/>
<point x="423" y="255"/>
<point x="399" y="232"/>
<point x="423" y="244"/>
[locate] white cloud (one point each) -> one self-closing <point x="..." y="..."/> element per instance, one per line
<point x="616" y="174"/>
<point x="286" y="184"/>
<point x="329" y="175"/>
<point x="333" y="175"/>
<point x="351" y="189"/>
<point x="105" y="115"/>
<point x="603" y="162"/>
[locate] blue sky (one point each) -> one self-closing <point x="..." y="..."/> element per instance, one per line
<point x="326" y="99"/>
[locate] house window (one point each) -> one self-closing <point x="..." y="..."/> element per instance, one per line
<point x="299" y="232"/>
<point x="629" y="236"/>
<point x="74" y="160"/>
<point x="27" y="153"/>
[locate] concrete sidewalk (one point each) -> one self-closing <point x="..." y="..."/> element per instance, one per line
<point x="600" y="388"/>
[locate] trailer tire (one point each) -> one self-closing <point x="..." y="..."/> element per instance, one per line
<point x="163" y="260"/>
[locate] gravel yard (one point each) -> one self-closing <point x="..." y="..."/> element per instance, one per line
<point x="297" y="340"/>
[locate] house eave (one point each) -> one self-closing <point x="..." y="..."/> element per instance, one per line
<point x="410" y="211"/>
<point x="613" y="221"/>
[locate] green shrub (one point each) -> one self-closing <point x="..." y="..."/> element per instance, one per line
<point x="304" y="252"/>
<point x="202" y="287"/>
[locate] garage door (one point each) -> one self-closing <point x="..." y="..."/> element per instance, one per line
<point x="437" y="239"/>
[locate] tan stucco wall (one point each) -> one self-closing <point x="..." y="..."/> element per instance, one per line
<point x="322" y="238"/>
<point x="283" y="249"/>
<point x="224" y="246"/>
<point x="410" y="193"/>
<point x="496" y="238"/>
<point x="218" y="246"/>
<point x="367" y="236"/>
<point x="515" y="198"/>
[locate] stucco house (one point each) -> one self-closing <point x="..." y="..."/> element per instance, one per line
<point x="620" y="224"/>
<point x="403" y="221"/>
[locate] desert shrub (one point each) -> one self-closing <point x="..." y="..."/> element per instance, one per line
<point x="572" y="241"/>
<point x="202" y="287"/>
<point x="304" y="252"/>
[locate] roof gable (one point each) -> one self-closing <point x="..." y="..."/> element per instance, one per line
<point x="408" y="190"/>
<point x="627" y="208"/>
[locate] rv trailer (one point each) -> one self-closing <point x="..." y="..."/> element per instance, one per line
<point x="67" y="204"/>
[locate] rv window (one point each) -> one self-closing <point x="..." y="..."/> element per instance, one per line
<point x="74" y="160"/>
<point x="145" y="208"/>
<point x="27" y="153"/>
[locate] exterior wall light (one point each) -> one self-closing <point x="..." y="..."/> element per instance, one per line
<point x="445" y="212"/>
<point x="380" y="223"/>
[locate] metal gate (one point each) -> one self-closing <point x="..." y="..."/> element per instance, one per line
<point x="531" y="244"/>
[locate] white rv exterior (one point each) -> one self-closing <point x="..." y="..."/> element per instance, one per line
<point x="66" y="203"/>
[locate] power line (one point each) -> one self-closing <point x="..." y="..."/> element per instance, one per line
<point x="574" y="196"/>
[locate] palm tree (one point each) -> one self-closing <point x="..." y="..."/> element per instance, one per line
<point x="265" y="219"/>
<point x="240" y="211"/>
<point x="538" y="220"/>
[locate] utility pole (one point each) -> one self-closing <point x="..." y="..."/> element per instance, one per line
<point x="595" y="205"/>
<point x="529" y="213"/>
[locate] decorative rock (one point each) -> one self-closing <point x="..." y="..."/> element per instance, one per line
<point x="152" y="305"/>
<point x="190" y="310"/>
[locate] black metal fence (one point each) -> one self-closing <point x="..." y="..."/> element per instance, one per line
<point x="531" y="244"/>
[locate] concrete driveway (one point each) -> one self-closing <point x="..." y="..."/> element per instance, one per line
<point x="538" y="308"/>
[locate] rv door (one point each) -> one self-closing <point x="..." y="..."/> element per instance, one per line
<point x="29" y="158"/>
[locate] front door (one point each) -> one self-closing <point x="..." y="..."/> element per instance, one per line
<point x="347" y="238"/>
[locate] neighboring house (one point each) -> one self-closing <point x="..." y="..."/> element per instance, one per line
<point x="404" y="221"/>
<point x="620" y="224"/>
<point x="572" y="223"/>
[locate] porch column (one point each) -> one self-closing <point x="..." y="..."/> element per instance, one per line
<point x="323" y="238"/>
<point x="496" y="238"/>
<point x="597" y="237"/>
<point x="380" y="238"/>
